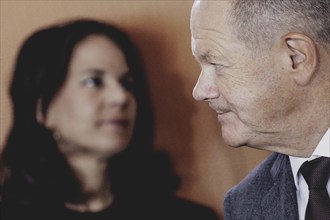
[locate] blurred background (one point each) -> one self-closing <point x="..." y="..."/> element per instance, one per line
<point x="186" y="129"/>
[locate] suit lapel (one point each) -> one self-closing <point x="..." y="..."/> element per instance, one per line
<point x="280" y="202"/>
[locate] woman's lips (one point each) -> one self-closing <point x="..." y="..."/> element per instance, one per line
<point x="116" y="122"/>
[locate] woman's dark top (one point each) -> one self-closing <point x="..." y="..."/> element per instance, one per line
<point x="173" y="208"/>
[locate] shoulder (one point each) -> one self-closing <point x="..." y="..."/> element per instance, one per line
<point x="194" y="210"/>
<point x="260" y="175"/>
<point x="19" y="211"/>
<point x="250" y="191"/>
<point x="179" y="208"/>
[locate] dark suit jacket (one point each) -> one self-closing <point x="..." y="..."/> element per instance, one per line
<point x="268" y="192"/>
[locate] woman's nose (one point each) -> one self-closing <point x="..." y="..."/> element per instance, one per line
<point x="116" y="95"/>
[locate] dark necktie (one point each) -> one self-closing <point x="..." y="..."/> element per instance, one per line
<point x="316" y="174"/>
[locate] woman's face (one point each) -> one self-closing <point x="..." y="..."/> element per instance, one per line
<point x="95" y="110"/>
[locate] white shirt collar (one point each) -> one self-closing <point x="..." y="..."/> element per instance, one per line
<point x="322" y="149"/>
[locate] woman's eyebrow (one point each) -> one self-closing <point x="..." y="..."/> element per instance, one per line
<point x="94" y="71"/>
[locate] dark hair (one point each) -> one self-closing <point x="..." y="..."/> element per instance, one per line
<point x="33" y="167"/>
<point x="258" y="20"/>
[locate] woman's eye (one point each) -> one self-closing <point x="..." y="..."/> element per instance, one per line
<point x="127" y="82"/>
<point x="93" y="82"/>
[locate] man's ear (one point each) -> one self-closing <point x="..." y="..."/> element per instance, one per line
<point x="303" y="55"/>
<point x="39" y="114"/>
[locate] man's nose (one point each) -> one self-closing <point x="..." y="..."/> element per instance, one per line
<point x="205" y="88"/>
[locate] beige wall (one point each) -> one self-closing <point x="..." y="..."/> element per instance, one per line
<point x="187" y="129"/>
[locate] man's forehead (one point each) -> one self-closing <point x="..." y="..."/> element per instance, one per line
<point x="211" y="5"/>
<point x="207" y="12"/>
<point x="200" y="7"/>
<point x="209" y="17"/>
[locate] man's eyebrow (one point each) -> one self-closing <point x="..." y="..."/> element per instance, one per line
<point x="206" y="56"/>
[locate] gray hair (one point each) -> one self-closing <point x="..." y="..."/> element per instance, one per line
<point x="257" y="21"/>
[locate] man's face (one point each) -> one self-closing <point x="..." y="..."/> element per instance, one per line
<point x="248" y="89"/>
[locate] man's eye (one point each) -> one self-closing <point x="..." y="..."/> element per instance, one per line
<point x="215" y="64"/>
<point x="93" y="82"/>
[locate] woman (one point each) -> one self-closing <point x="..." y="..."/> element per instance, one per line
<point x="80" y="146"/>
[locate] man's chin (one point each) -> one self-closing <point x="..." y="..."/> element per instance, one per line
<point x="234" y="143"/>
<point x="234" y="134"/>
<point x="236" y="146"/>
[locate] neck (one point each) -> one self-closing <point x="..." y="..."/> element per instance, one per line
<point x="305" y="136"/>
<point x="95" y="185"/>
<point x="313" y="120"/>
<point x="308" y="143"/>
<point x="299" y="140"/>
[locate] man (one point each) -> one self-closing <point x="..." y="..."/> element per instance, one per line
<point x="265" y="72"/>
